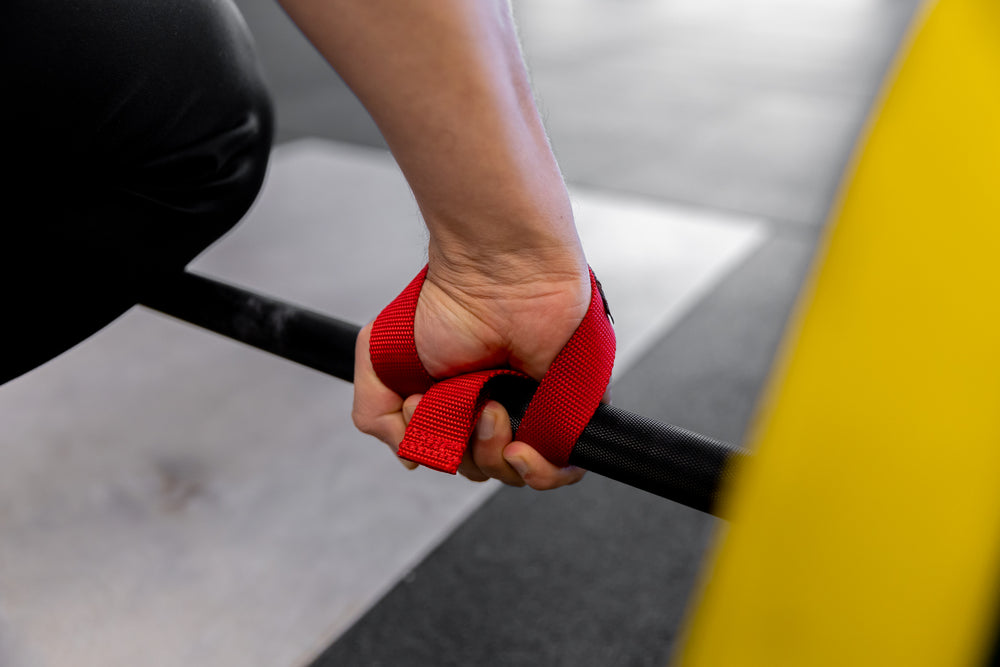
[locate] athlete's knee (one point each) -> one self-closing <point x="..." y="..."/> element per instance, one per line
<point x="208" y="153"/>
<point x="161" y="99"/>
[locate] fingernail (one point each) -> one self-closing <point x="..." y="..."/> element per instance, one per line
<point x="408" y="411"/>
<point x="518" y="464"/>
<point x="486" y="426"/>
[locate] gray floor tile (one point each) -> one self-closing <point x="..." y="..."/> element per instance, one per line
<point x="744" y="106"/>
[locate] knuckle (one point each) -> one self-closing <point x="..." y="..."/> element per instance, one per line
<point x="360" y="420"/>
<point x="491" y="464"/>
<point x="540" y="484"/>
<point x="472" y="473"/>
<point x="490" y="469"/>
<point x="544" y="481"/>
<point x="364" y="423"/>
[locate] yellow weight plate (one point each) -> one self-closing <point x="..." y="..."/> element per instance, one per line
<point x="867" y="529"/>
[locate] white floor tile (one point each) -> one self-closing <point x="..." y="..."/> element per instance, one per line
<point x="655" y="260"/>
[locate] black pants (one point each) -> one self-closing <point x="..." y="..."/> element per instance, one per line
<point x="136" y="132"/>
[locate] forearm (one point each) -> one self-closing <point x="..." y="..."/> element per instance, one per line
<point x="446" y="84"/>
<point x="507" y="283"/>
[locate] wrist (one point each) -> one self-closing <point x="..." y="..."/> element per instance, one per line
<point x="516" y="237"/>
<point x="495" y="270"/>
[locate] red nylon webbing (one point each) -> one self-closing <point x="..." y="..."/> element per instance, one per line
<point x="572" y="388"/>
<point x="393" y="350"/>
<point x="442" y="424"/>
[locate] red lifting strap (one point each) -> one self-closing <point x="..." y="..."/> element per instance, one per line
<point x="442" y="424"/>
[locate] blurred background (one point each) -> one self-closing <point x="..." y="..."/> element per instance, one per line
<point x="195" y="502"/>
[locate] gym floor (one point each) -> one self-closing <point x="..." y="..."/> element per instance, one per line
<point x="169" y="497"/>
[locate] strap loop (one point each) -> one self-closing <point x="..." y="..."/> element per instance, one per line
<point x="442" y="425"/>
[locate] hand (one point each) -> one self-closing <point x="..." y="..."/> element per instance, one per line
<point x="468" y="320"/>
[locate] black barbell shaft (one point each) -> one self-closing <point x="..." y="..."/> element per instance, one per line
<point x="666" y="460"/>
<point x="312" y="339"/>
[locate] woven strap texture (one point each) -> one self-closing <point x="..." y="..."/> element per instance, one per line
<point x="442" y="424"/>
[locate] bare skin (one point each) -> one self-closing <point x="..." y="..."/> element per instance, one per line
<point x="507" y="283"/>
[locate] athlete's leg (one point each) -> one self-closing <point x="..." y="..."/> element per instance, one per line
<point x="138" y="132"/>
